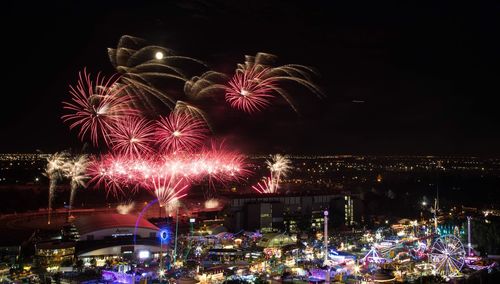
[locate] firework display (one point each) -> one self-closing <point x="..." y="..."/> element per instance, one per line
<point x="167" y="150"/>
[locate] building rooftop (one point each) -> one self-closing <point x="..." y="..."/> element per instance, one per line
<point x="90" y="223"/>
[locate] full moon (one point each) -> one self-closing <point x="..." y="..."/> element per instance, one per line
<point x="159" y="55"/>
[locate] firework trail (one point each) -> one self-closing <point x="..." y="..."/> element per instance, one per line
<point x="180" y="132"/>
<point x="279" y="166"/>
<point x="133" y="136"/>
<point x="76" y="169"/>
<point x="257" y="80"/>
<point x="208" y="84"/>
<point x="96" y="107"/>
<point x="168" y="189"/>
<point x="54" y="171"/>
<point x="184" y="108"/>
<point x="146" y="68"/>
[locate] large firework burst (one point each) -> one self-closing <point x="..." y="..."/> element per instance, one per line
<point x="133" y="136"/>
<point x="258" y="79"/>
<point x="96" y="107"/>
<point x="249" y="90"/>
<point x="180" y="132"/>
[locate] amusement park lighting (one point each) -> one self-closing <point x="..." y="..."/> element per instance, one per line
<point x="161" y="272"/>
<point x="164" y="235"/>
<point x="143" y="254"/>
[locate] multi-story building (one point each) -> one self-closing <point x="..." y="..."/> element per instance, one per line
<point x="293" y="212"/>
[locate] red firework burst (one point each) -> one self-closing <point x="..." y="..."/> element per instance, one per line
<point x="96" y="106"/>
<point x="180" y="132"/>
<point x="133" y="136"/>
<point x="249" y="90"/>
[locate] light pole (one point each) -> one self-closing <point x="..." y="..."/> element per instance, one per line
<point x="176" y="229"/>
<point x="468" y="236"/>
<point x="163" y="238"/>
<point x="325" y="230"/>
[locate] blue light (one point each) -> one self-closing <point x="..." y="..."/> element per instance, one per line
<point x="164" y="235"/>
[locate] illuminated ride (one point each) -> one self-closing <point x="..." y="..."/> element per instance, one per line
<point x="394" y="250"/>
<point x="448" y="255"/>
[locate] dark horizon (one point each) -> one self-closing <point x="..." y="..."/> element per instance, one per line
<point x="400" y="78"/>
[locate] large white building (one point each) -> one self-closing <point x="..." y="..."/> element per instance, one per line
<point x="105" y="236"/>
<point x="108" y="226"/>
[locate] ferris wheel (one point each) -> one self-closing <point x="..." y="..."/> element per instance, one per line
<point x="447" y="255"/>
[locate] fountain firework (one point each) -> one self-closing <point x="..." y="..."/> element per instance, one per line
<point x="76" y="169"/>
<point x="54" y="171"/>
<point x="279" y="166"/>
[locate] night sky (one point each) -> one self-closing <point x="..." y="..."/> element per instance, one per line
<point x="427" y="73"/>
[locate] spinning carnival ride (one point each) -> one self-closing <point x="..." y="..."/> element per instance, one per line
<point x="448" y="255"/>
